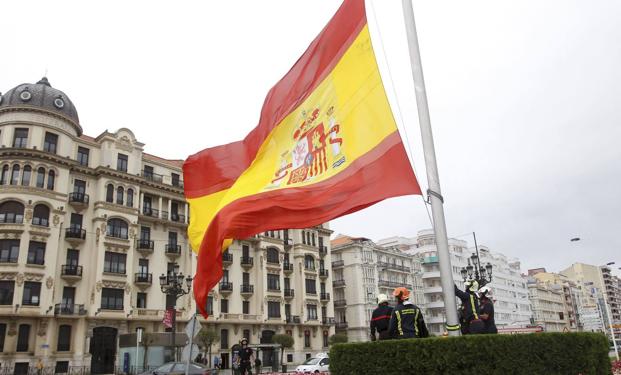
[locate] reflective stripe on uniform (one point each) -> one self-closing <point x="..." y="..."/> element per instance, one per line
<point x="455" y="327"/>
<point x="474" y="309"/>
<point x="399" y="328"/>
<point x="416" y="322"/>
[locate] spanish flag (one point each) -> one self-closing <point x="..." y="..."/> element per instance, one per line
<point x="326" y="145"/>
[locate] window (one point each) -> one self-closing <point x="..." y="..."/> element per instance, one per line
<point x="273" y="281"/>
<point x="289" y="357"/>
<point x="64" y="338"/>
<point x="272" y="255"/>
<point x="112" y="299"/>
<point x="2" y="336"/>
<point x="209" y="305"/>
<point x="309" y="262"/>
<point x="21" y="368"/>
<point x="62" y="367"/>
<point x="20" y="137"/>
<point x="246" y="307"/>
<point x="41" y="215"/>
<point x="311" y="312"/>
<point x="121" y="163"/>
<point x="120" y="192"/>
<point x="325" y="339"/>
<point x="76" y="222"/>
<point x="23" y="336"/>
<point x="6" y="292"/>
<point x="311" y="286"/>
<point x="51" y="140"/>
<point x="148" y="172"/>
<point x="224" y="338"/>
<point x="114" y="262"/>
<point x="109" y="193"/>
<point x="174" y="211"/>
<point x="41" y="177"/>
<point x="15" y="175"/>
<point x="117" y="228"/>
<point x="307" y="342"/>
<point x="11" y="212"/>
<point x="246" y="334"/>
<point x="4" y="178"/>
<point x="36" y="253"/>
<point x="51" y="176"/>
<point x="141" y="300"/>
<point x="83" y="156"/>
<point x="172" y="238"/>
<point x="9" y="251"/>
<point x="26" y="175"/>
<point x="273" y="309"/>
<point x="174" y="179"/>
<point x="224" y="305"/>
<point x="145" y="233"/>
<point x="32" y="293"/>
<point x="130" y="198"/>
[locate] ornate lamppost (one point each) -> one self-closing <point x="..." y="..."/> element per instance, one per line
<point x="474" y="270"/>
<point x="172" y="285"/>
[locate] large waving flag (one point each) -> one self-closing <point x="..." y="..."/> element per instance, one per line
<point x="326" y="145"/>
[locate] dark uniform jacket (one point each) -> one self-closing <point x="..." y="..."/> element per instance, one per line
<point x="380" y="321"/>
<point x="470" y="305"/>
<point x="407" y="321"/>
<point x="487" y="308"/>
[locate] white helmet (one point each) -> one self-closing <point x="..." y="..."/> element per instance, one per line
<point x="485" y="290"/>
<point x="381" y="298"/>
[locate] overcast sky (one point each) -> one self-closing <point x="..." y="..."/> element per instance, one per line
<point x="524" y="100"/>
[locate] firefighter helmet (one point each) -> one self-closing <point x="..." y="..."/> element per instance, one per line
<point x="381" y="298"/>
<point x="402" y="293"/>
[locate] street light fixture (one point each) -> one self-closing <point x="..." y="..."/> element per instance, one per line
<point x="172" y="285"/>
<point x="474" y="270"/>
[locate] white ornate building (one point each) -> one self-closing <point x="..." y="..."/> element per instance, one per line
<point x="88" y="224"/>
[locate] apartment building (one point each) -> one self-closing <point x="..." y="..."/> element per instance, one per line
<point x="571" y="294"/>
<point x="548" y="305"/>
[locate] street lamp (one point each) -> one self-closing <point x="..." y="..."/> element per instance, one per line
<point x="172" y="285"/>
<point x="474" y="270"/>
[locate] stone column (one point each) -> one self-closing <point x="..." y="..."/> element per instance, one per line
<point x="140" y="204"/>
<point x="185" y="205"/>
<point x="160" y="207"/>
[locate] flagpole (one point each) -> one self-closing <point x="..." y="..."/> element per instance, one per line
<point x="434" y="194"/>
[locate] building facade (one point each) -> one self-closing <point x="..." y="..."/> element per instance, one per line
<point x="88" y="223"/>
<point x="362" y="270"/>
<point x="548" y="304"/>
<point x="571" y="295"/>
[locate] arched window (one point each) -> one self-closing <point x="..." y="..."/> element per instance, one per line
<point x="15" y="175"/>
<point x="309" y="262"/>
<point x="272" y="255"/>
<point x="110" y="193"/>
<point x="41" y="177"/>
<point x="130" y="198"/>
<point x="5" y="175"/>
<point x="117" y="228"/>
<point x="120" y="192"/>
<point x="11" y="212"/>
<point x="26" y="175"/>
<point x="51" y="176"/>
<point x="41" y="215"/>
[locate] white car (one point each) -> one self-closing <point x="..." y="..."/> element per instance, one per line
<point x="315" y="365"/>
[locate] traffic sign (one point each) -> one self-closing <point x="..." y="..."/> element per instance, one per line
<point x="189" y="352"/>
<point x="193" y="327"/>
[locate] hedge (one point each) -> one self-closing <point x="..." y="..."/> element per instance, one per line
<point x="541" y="353"/>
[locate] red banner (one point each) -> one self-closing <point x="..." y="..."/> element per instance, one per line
<point x="168" y="318"/>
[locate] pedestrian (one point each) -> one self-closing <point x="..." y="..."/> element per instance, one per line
<point x="470" y="305"/>
<point x="216" y="364"/>
<point x="406" y="320"/>
<point x="380" y="320"/>
<point x="246" y="355"/>
<point x="486" y="310"/>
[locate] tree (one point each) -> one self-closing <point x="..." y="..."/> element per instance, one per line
<point x="338" y="338"/>
<point x="285" y="341"/>
<point x="147" y="340"/>
<point x="205" y="339"/>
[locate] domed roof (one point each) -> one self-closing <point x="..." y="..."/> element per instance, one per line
<point x="43" y="95"/>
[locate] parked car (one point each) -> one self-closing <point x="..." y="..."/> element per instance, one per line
<point x="178" y="368"/>
<point x="317" y="364"/>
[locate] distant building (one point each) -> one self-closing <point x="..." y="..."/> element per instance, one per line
<point x="361" y="271"/>
<point x="571" y="294"/>
<point x="547" y="301"/>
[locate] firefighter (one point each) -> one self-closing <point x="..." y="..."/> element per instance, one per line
<point x="486" y="310"/>
<point x="470" y="305"/>
<point x="406" y="320"/>
<point x="380" y="320"/>
<point x="246" y="355"/>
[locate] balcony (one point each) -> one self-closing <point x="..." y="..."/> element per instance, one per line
<point x="227" y="258"/>
<point x="143" y="279"/>
<point x="338" y="283"/>
<point x="287" y="267"/>
<point x="144" y="245"/>
<point x="75" y="234"/>
<point x="71" y="272"/>
<point x="292" y="319"/>
<point x="78" y="200"/>
<point x="339" y="302"/>
<point x="172" y="250"/>
<point x="226" y="287"/>
<point x="247" y="262"/>
<point x="323" y="251"/>
<point x="429" y="260"/>
<point x="151" y="212"/>
<point x="324" y="297"/>
<point x="154" y="177"/>
<point x="69" y="309"/>
<point x="328" y="321"/>
<point x="289" y="293"/>
<point x="338" y="263"/>
<point x="341" y="325"/>
<point x="11" y="218"/>
<point x="273" y="288"/>
<point x="247" y="290"/>
<point x="178" y="218"/>
<point x="323" y="273"/>
<point x="431" y="275"/>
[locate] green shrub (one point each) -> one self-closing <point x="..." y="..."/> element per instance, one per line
<point x="532" y="354"/>
<point x="338" y="338"/>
